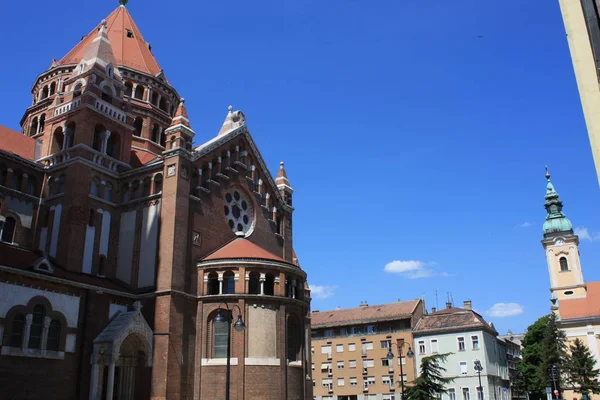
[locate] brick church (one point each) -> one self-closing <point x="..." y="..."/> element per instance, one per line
<point x="123" y="246"/>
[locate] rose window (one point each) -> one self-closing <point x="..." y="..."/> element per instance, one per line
<point x="238" y="211"/>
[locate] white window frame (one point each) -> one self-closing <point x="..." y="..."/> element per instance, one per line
<point x="462" y="393"/>
<point x="324" y="349"/>
<point x="437" y="345"/>
<point x="338" y="347"/>
<point x="463" y="342"/>
<point x="351" y="363"/>
<point x="340" y="380"/>
<point x="422" y="346"/>
<point x="448" y="392"/>
<point x="466" y="364"/>
<point x="478" y="342"/>
<point x="351" y="346"/>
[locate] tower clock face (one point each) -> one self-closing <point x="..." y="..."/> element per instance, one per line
<point x="239" y="211"/>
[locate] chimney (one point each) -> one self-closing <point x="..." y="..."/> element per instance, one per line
<point x="364" y="304"/>
<point x="448" y="304"/>
<point x="468" y="305"/>
<point x="433" y="309"/>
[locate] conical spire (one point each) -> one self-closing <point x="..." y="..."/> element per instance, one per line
<point x="233" y="120"/>
<point x="181" y="116"/>
<point x="556" y="221"/>
<point x="282" y="178"/>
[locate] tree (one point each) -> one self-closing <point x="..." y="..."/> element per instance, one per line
<point x="528" y="379"/>
<point x="580" y="370"/>
<point x="430" y="384"/>
<point x="553" y="353"/>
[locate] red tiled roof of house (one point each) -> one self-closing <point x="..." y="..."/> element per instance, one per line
<point x="15" y="142"/>
<point x="451" y="318"/>
<point x="242" y="248"/>
<point x="364" y="313"/>
<point x="582" y="308"/>
<point x="132" y="52"/>
<point x="140" y="157"/>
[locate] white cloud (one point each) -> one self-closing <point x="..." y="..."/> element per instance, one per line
<point x="412" y="269"/>
<point x="322" y="291"/>
<point x="500" y="310"/>
<point x="583" y="233"/>
<point x="525" y="224"/>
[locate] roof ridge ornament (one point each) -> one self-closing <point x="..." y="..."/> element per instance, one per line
<point x="123" y="2"/>
<point x="547" y="173"/>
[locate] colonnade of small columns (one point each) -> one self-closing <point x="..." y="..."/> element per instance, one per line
<point x="17" y="180"/>
<point x="141" y="188"/>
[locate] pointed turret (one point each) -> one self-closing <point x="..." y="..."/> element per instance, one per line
<point x="180" y="133"/>
<point x="283" y="184"/>
<point x="100" y="52"/>
<point x="233" y="120"/>
<point x="556" y="221"/>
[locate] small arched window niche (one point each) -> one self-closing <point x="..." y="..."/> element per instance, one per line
<point x="35" y="330"/>
<point x="564" y="264"/>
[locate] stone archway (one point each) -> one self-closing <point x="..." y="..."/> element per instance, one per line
<point x="124" y="346"/>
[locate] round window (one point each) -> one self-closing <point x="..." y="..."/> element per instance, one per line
<point x="238" y="210"/>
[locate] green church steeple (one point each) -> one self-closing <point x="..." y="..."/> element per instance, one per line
<point x="556" y="221"/>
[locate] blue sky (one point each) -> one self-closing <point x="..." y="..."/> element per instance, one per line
<point x="405" y="135"/>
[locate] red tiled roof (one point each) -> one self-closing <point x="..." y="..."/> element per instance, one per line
<point x="582" y="308"/>
<point x="132" y="52"/>
<point x="140" y="157"/>
<point x="15" y="142"/>
<point x="348" y="315"/>
<point x="451" y="318"/>
<point x="181" y="116"/>
<point x="242" y="248"/>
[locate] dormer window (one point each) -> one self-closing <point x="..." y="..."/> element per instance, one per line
<point x="110" y="71"/>
<point x="129" y="34"/>
<point x="81" y="67"/>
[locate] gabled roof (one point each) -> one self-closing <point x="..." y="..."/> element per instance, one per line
<point x="452" y="319"/>
<point x="241" y="248"/>
<point x="132" y="52"/>
<point x="15" y="142"/>
<point x="582" y="308"/>
<point x="402" y="309"/>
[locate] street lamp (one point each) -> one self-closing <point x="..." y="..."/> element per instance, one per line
<point x="479" y="368"/>
<point x="238" y="326"/>
<point x="554" y="378"/>
<point x="409" y="354"/>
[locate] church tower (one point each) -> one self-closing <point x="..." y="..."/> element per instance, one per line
<point x="562" y="251"/>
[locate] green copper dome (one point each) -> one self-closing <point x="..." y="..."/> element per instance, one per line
<point x="556" y="221"/>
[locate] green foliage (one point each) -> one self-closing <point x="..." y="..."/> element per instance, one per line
<point x="580" y="370"/>
<point x="430" y="384"/>
<point x="528" y="376"/>
<point x="554" y="353"/>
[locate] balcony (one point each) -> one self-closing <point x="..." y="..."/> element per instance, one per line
<point x="70" y="106"/>
<point x="110" y="110"/>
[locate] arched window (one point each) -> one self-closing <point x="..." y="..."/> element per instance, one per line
<point x="8" y="230"/>
<point x="220" y="336"/>
<point x="270" y="285"/>
<point x="564" y="264"/>
<point x="31" y="185"/>
<point x="53" y="335"/>
<point x="155" y="133"/>
<point x="299" y="290"/>
<point x="3" y="173"/>
<point x="42" y="123"/>
<point x="95" y="188"/>
<point x="288" y="287"/>
<point x="37" y="327"/>
<point x="77" y="89"/>
<point x="155" y="99"/>
<point x="92" y="217"/>
<point x="17" y="331"/>
<point x="135" y="186"/>
<point x="34" y="127"/>
<point x="17" y="180"/>
<point x="254" y="283"/>
<point x="125" y="192"/>
<point x="138" y="124"/>
<point x="108" y="192"/>
<point x="58" y="140"/>
<point x="52" y="88"/>
<point x="101" y="261"/>
<point x="97" y="143"/>
<point x="146" y="188"/>
<point x="61" y="183"/>
<point x="70" y="135"/>
<point x="139" y="92"/>
<point x="107" y="94"/>
<point x="213" y="284"/>
<point x="163" y="104"/>
<point x="158" y="182"/>
<point x="44" y="92"/>
<point x="228" y="283"/>
<point x="109" y="70"/>
<point x="128" y="89"/>
<point x="112" y="145"/>
<point x="294" y="339"/>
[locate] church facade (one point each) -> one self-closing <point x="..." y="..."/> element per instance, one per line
<point x="575" y="302"/>
<point x="125" y="250"/>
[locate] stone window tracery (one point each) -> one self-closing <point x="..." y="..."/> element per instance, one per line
<point x="239" y="211"/>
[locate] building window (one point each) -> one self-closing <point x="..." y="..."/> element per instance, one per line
<point x="328" y="333"/>
<point x="475" y="341"/>
<point x="213" y="284"/>
<point x="463" y="368"/>
<point x="37" y="327"/>
<point x="339" y="348"/>
<point x="368" y="363"/>
<point x="422" y="347"/>
<point x="53" y="335"/>
<point x="228" y="283"/>
<point x="340" y="382"/>
<point x="343" y="331"/>
<point x="465" y="393"/>
<point x="353" y="381"/>
<point x="325" y="349"/>
<point x="351" y="347"/>
<point x="461" y="344"/>
<point x="7" y="232"/>
<point x="254" y="283"/>
<point x="385" y="362"/>
<point x="564" y="264"/>
<point x="352" y="364"/>
<point x="220" y="338"/>
<point x="451" y="394"/>
<point x="294" y="339"/>
<point x="434" y="346"/>
<point x="370" y="328"/>
<point x="479" y="393"/>
<point x="18" y="327"/>
<point x="367" y="346"/>
<point x="386" y="344"/>
<point x="340" y="365"/>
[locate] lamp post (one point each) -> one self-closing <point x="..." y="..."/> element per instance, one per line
<point x="479" y="368"/>
<point x="238" y="326"/>
<point x="409" y="354"/>
<point x="554" y="378"/>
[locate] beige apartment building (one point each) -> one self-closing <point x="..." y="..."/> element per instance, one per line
<point x="350" y="347"/>
<point x="582" y="25"/>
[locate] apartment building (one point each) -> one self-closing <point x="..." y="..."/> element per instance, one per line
<point x="350" y="351"/>
<point x="513" y="355"/>
<point x="464" y="334"/>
